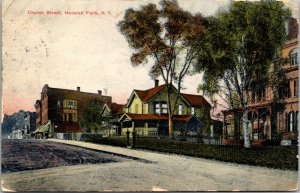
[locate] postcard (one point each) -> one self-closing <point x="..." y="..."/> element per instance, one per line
<point x="152" y="95"/>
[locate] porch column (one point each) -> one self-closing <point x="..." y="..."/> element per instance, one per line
<point x="133" y="127"/>
<point x="121" y="126"/>
<point x="224" y="126"/>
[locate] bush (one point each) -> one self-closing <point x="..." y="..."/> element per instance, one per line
<point x="114" y="141"/>
<point x="89" y="136"/>
<point x="269" y="156"/>
<point x="273" y="156"/>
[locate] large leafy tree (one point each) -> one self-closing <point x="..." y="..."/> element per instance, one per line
<point x="92" y="117"/>
<point x="168" y="37"/>
<point x="241" y="52"/>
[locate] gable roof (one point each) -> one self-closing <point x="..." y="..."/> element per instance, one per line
<point x="193" y="100"/>
<point x="116" y="108"/>
<point x="196" y="100"/>
<point x="146" y="95"/>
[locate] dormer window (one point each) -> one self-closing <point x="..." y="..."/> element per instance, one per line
<point x="294" y="56"/>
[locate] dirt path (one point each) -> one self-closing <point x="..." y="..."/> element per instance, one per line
<point x="164" y="172"/>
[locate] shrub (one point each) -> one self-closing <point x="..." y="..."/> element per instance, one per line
<point x="269" y="156"/>
<point x="273" y="156"/>
<point x="114" y="141"/>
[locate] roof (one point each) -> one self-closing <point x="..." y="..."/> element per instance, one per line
<point x="196" y="100"/>
<point x="116" y="108"/>
<point x="75" y="94"/>
<point x="145" y="95"/>
<point x="42" y="129"/>
<point x="158" y="117"/>
<point x="266" y="104"/>
<point x="193" y="100"/>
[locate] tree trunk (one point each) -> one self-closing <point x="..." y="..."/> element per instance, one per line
<point x="170" y="127"/>
<point x="246" y="128"/>
<point x="170" y="112"/>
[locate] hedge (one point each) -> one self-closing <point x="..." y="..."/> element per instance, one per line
<point x="269" y="156"/>
<point x="114" y="141"/>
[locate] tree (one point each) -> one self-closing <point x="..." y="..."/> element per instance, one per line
<point x="167" y="36"/>
<point x="92" y="117"/>
<point x="241" y="52"/>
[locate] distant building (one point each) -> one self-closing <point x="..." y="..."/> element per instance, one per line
<point x="65" y="108"/>
<point x="18" y="125"/>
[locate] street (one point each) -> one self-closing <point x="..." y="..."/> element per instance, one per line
<point x="159" y="172"/>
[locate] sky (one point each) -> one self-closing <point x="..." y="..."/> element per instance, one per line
<point x="66" y="51"/>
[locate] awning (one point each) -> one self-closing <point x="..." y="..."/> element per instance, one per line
<point x="42" y="129"/>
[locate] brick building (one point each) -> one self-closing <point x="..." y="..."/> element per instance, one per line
<point x="64" y="108"/>
<point x="271" y="119"/>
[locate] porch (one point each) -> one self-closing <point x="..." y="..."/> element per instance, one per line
<point x="260" y="125"/>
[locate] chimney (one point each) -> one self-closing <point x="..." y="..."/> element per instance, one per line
<point x="156" y="82"/>
<point x="99" y="92"/>
<point x="78" y="88"/>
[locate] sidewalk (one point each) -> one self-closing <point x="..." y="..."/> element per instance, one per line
<point x="135" y="153"/>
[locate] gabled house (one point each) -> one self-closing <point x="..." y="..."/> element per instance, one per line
<point x="146" y="112"/>
<point x="111" y="114"/>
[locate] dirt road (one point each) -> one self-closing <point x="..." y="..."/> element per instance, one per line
<point x="162" y="172"/>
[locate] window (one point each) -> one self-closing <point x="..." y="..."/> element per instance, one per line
<point x="292" y="121"/>
<point x="66" y="117"/>
<point x="164" y="108"/>
<point x="296" y="87"/>
<point x="179" y="109"/>
<point x="294" y="56"/>
<point x="136" y="108"/>
<point x="296" y="120"/>
<point x="288" y="89"/>
<point x="263" y="94"/>
<point x="157" y="108"/>
<point x="193" y="111"/>
<point x="58" y="104"/>
<point x="291" y="118"/>
<point x="71" y="105"/>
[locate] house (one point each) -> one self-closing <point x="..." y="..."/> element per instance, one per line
<point x="146" y="112"/>
<point x="112" y="113"/>
<point x="270" y="119"/>
<point x="65" y="108"/>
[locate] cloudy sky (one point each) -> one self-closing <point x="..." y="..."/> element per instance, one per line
<point x="66" y="51"/>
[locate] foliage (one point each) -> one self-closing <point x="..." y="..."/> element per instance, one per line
<point x="114" y="141"/>
<point x="92" y="117"/>
<point x="168" y="36"/>
<point x="268" y="156"/>
<point x="241" y="53"/>
<point x="274" y="157"/>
